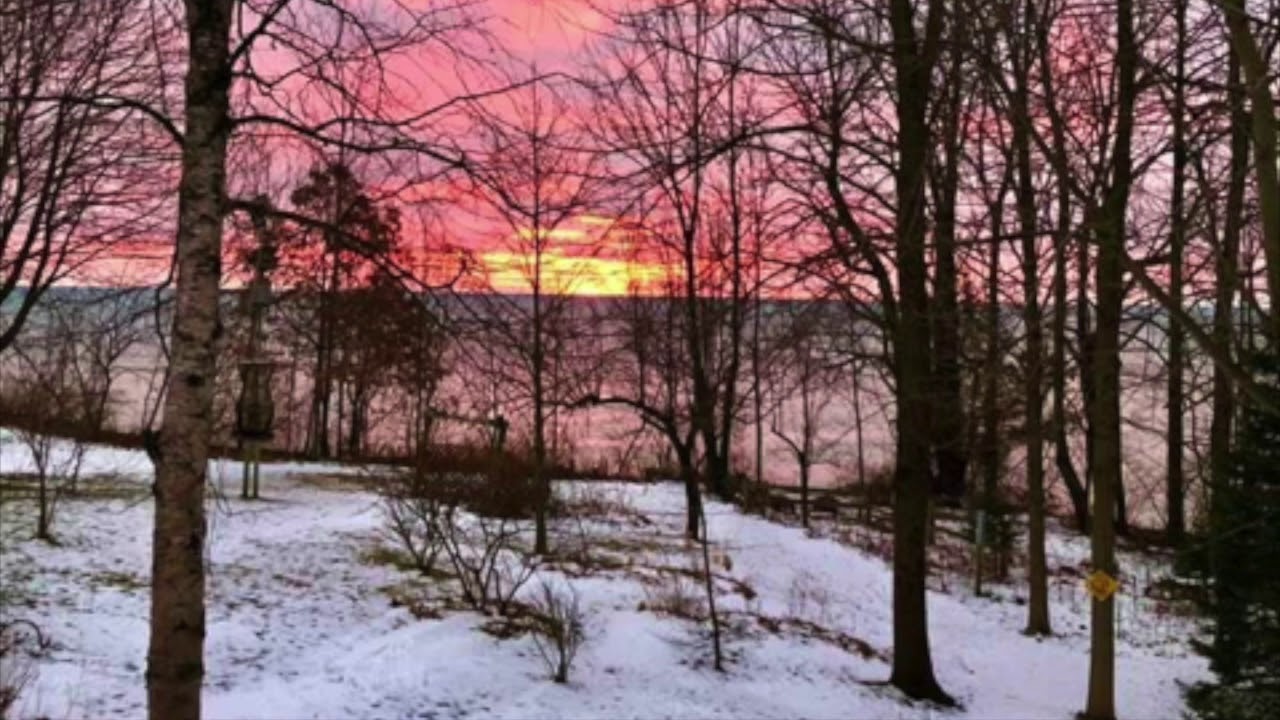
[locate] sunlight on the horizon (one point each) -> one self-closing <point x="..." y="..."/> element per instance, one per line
<point x="588" y="255"/>
<point x="569" y="275"/>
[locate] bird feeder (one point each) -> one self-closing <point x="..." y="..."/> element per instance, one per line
<point x="255" y="408"/>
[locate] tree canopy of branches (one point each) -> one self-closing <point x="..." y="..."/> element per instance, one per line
<point x="75" y="161"/>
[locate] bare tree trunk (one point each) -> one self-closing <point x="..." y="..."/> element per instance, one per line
<point x="1077" y="491"/>
<point x="859" y="440"/>
<point x="1122" y="506"/>
<point x="912" y="663"/>
<point x="1062" y="449"/>
<point x="43" y="520"/>
<point x="1263" y="114"/>
<point x="710" y="586"/>
<point x="175" y="667"/>
<point x="538" y="359"/>
<point x="692" y="492"/>
<point x="949" y="420"/>
<point x="340" y="389"/>
<point x="322" y="382"/>
<point x="985" y="497"/>
<point x="1038" y="593"/>
<point x="359" y="418"/>
<point x="728" y="383"/>
<point x="1085" y="345"/>
<point x="1227" y="271"/>
<point x="1174" y="480"/>
<point x="291" y="418"/>
<point x="757" y="383"/>
<point x="804" y="491"/>
<point x="1107" y="446"/>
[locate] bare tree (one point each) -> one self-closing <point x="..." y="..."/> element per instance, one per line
<point x="1028" y="226"/>
<point x="1174" y="459"/>
<point x="1107" y="450"/>
<point x="830" y="62"/>
<point x="1258" y="83"/>
<point x="1011" y="59"/>
<point x="71" y="184"/>
<point x="533" y="178"/>
<point x="804" y="370"/>
<point x="913" y="60"/>
<point x="319" y="50"/>
<point x="43" y="401"/>
<point x="647" y="373"/>
<point x="951" y="121"/>
<point x="671" y="103"/>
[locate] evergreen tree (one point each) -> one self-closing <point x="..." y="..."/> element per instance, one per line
<point x="1240" y="550"/>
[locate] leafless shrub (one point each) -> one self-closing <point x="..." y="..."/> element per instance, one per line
<point x="677" y="594"/>
<point x="412" y="510"/>
<point x="809" y="599"/>
<point x="474" y="516"/>
<point x="561" y="628"/>
<point x="592" y="500"/>
<point x="781" y="504"/>
<point x="487" y="558"/>
<point x="19" y="641"/>
<point x="874" y="489"/>
<point x="658" y="473"/>
<point x="56" y="461"/>
<point x="490" y="483"/>
<point x="583" y="501"/>
<point x="754" y="498"/>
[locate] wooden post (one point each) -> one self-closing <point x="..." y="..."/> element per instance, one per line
<point x="256" y="449"/>
<point x="244" y="479"/>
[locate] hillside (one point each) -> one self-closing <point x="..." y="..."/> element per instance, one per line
<point x="309" y="616"/>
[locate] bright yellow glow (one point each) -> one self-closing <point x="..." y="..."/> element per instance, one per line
<point x="554" y="234"/>
<point x="590" y="254"/>
<point x="570" y="275"/>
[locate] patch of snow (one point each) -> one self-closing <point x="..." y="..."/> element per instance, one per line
<point x="299" y="625"/>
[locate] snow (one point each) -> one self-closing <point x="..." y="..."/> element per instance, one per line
<point x="300" y="623"/>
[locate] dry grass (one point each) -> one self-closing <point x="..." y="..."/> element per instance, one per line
<point x="101" y="486"/>
<point x="124" y="581"/>
<point x="799" y="627"/>
<point x="421" y="600"/>
<point x="337" y="482"/>
<point x="674" y="594"/>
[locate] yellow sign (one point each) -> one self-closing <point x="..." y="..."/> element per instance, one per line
<point x="1101" y="585"/>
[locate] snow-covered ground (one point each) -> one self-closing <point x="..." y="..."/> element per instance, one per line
<point x="301" y="621"/>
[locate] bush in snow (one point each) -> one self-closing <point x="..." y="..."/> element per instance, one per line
<point x="44" y="406"/>
<point x="808" y="598"/>
<point x="674" y="591"/>
<point x="560" y="628"/>
<point x="412" y="508"/>
<point x="584" y="500"/>
<point x="472" y="519"/>
<point x="487" y="557"/>
<point x="19" y="640"/>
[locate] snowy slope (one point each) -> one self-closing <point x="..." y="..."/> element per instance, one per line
<point x="300" y="624"/>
